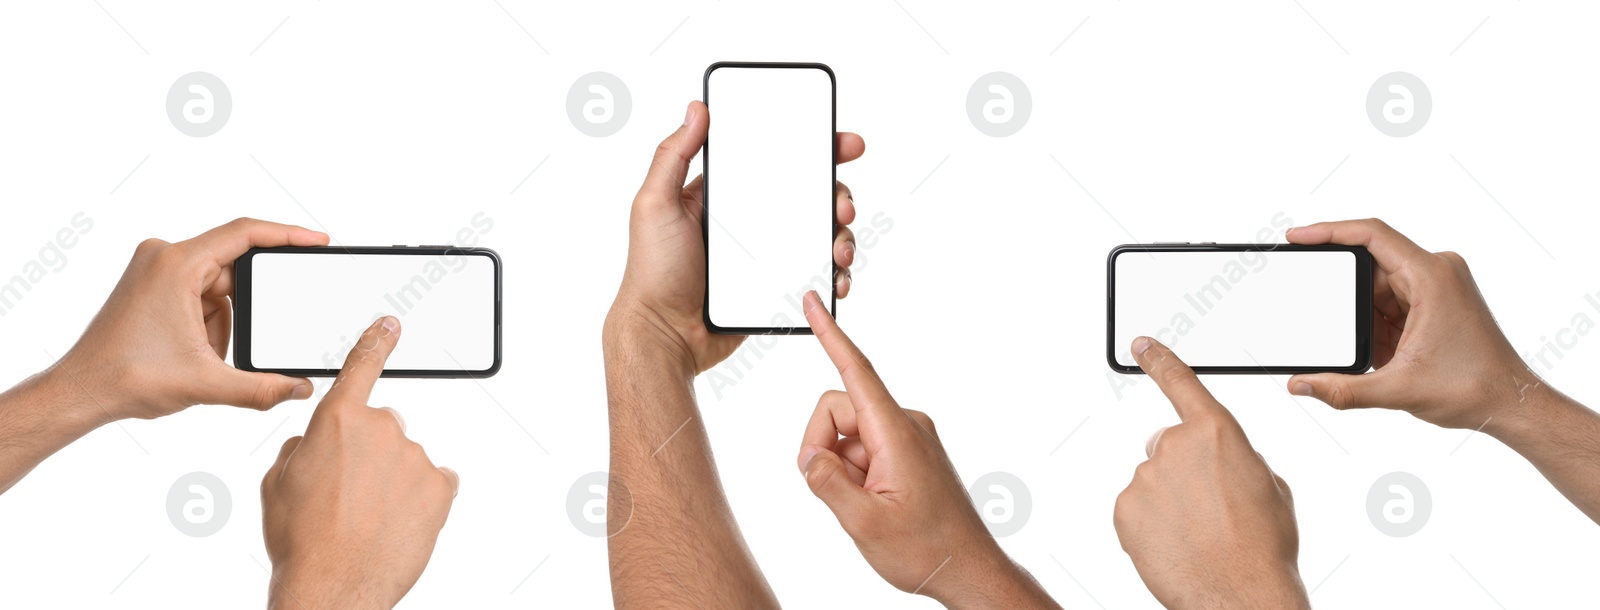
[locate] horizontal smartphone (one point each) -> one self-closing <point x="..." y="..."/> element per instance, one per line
<point x="299" y="311"/>
<point x="1242" y="308"/>
<point x="769" y="195"/>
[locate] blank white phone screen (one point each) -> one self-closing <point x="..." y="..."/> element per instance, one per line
<point x="769" y="190"/>
<point x="1252" y="308"/>
<point x="308" y="310"/>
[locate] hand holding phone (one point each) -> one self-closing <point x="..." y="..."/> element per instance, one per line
<point x="1438" y="352"/>
<point x="661" y="303"/>
<point x="157" y="345"/>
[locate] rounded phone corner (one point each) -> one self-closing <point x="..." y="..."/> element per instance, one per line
<point x="1111" y="360"/>
<point x="493" y="370"/>
<point x="714" y="328"/>
<point x="241" y="360"/>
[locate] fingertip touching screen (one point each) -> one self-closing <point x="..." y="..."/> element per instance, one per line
<point x="306" y="311"/>
<point x="1252" y="309"/>
<point x="769" y="163"/>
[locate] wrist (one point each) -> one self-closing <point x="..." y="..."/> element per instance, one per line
<point x="985" y="577"/>
<point x="1538" y="411"/>
<point x="69" y="403"/>
<point x="638" y="337"/>
<point x="293" y="589"/>
<point x="1280" y="588"/>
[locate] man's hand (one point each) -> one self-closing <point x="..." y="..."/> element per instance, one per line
<point x="682" y="545"/>
<point x="1436" y="348"/>
<point x="662" y="298"/>
<point x="157" y="346"/>
<point x="885" y="475"/>
<point x="351" y="510"/>
<point x="1440" y="356"/>
<point x="1206" y="522"/>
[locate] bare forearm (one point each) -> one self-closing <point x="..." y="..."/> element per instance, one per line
<point x="1561" y="438"/>
<point x="37" y="418"/>
<point x="680" y="543"/>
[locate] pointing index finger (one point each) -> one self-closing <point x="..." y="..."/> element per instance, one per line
<point x="364" y="364"/>
<point x="866" y="390"/>
<point x="1177" y="381"/>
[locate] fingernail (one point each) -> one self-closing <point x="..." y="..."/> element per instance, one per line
<point x="391" y="324"/>
<point x="301" y="392"/>
<point x="849" y="250"/>
<point x="688" y="114"/>
<point x="1140" y="345"/>
<point x="812" y="300"/>
<point x="1300" y="388"/>
<point x="806" y="455"/>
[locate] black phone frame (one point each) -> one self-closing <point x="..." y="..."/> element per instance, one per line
<point x="705" y="198"/>
<point x="1363" y="305"/>
<point x="242" y="310"/>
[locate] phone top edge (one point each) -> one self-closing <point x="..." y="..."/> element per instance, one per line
<point x="421" y="249"/>
<point x="1235" y="247"/>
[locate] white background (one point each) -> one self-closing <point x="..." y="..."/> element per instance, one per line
<point x="772" y="180"/>
<point x="1268" y="309"/>
<point x="447" y="318"/>
<point x="982" y="306"/>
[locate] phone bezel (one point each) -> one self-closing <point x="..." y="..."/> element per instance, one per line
<point x="705" y="197"/>
<point x="242" y="310"/>
<point x="1363" y="305"/>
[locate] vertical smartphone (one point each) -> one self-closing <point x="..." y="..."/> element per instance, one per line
<point x="1242" y="308"/>
<point x="299" y="311"/>
<point x="769" y="215"/>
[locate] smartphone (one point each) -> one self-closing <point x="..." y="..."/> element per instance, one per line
<point x="299" y="311"/>
<point x="1242" y="308"/>
<point x="769" y="215"/>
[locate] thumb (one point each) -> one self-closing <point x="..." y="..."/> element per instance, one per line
<point x="830" y="482"/>
<point x="259" y="391"/>
<point x="670" y="167"/>
<point x="1342" y="391"/>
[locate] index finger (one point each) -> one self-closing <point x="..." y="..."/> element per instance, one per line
<point x="1389" y="248"/>
<point x="1189" y="397"/>
<point x="230" y="241"/>
<point x="364" y="364"/>
<point x="867" y="391"/>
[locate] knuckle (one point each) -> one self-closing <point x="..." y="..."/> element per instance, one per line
<point x="1120" y="512"/>
<point x="150" y="246"/>
<point x="264" y="395"/>
<point x="1173" y="374"/>
<point x="665" y="153"/>
<point x="922" y="419"/>
<point x="821" y="473"/>
<point x="1455" y="260"/>
<point x="1339" y="396"/>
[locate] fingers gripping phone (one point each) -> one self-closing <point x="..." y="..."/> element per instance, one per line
<point x="1242" y="308"/>
<point x="769" y="215"/>
<point x="300" y="311"/>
